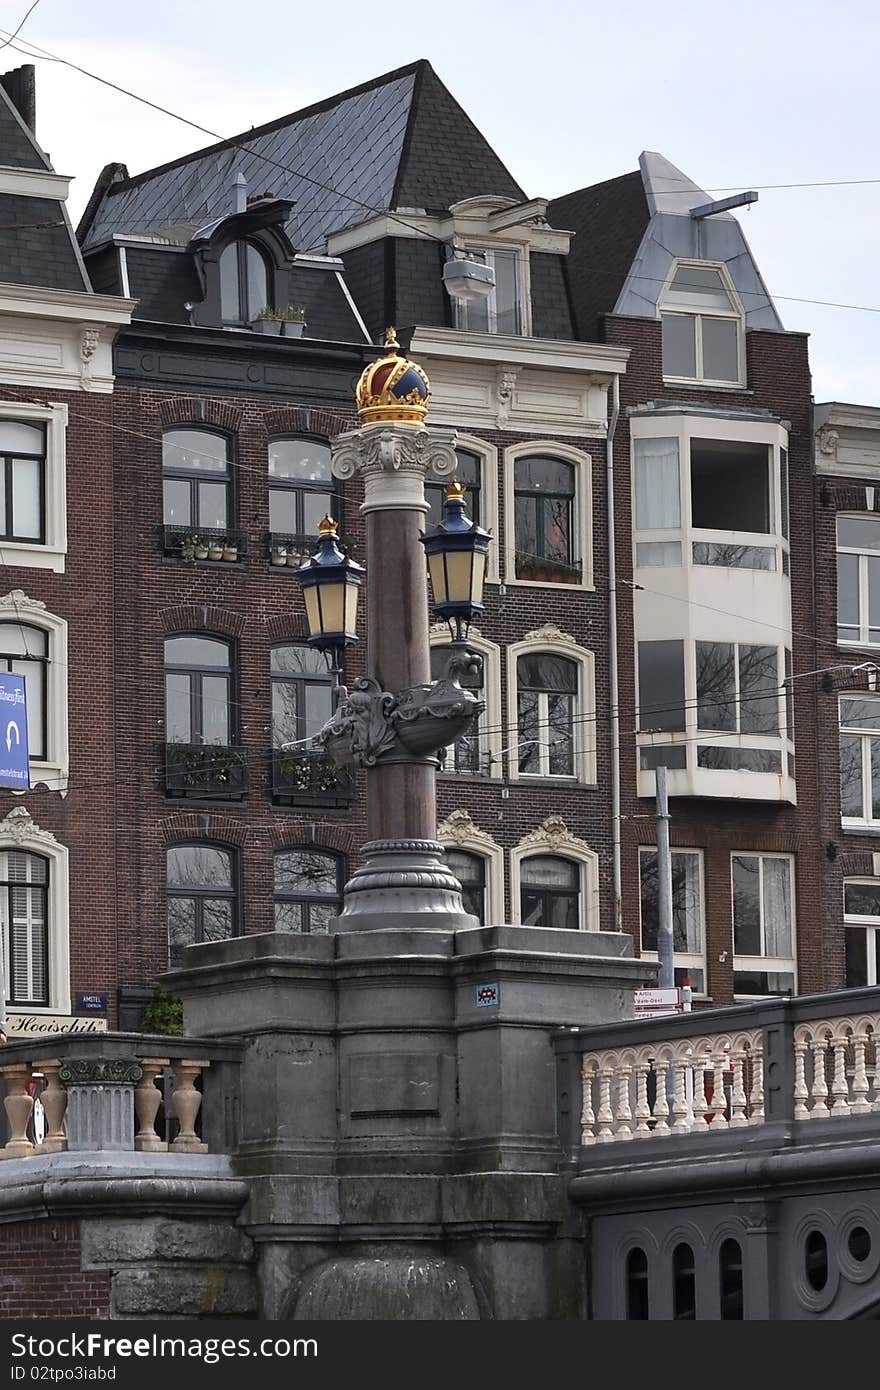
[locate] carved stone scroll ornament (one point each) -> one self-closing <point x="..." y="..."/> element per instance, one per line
<point x="370" y="724"/>
<point x="100" y="1071"/>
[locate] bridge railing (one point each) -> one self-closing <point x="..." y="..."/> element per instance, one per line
<point x="703" y="1075"/>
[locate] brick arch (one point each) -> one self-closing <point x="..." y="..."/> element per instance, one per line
<point x="201" y="825"/>
<point x="202" y="617"/>
<point x="303" y="419"/>
<point x="289" y="628"/>
<point x="307" y="834"/>
<point x="198" y="410"/>
<point x="856" y="864"/>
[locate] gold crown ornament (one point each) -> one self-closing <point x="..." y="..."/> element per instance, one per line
<point x="392" y="390"/>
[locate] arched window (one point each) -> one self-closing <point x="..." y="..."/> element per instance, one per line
<point x="202" y="897"/>
<point x="302" y="692"/>
<point x="24" y="918"/>
<point x="470" y="870"/>
<point x="308" y="890"/>
<point x="301" y="491"/>
<point x="25" y="651"/>
<point x="544" y="520"/>
<point x="547" y="689"/>
<point x="637" y="1307"/>
<point x="198" y="679"/>
<point x="468" y="472"/>
<point x="244" y="283"/>
<point x="684" y="1283"/>
<point x="702" y="326"/>
<point x="196" y="482"/>
<point x="730" y="1272"/>
<point x="549" y="892"/>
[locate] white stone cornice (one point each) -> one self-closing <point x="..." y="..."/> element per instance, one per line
<point x="32" y="301"/>
<point x="511" y="351"/>
<point x="20" y="826"/>
<point x="34" y="183"/>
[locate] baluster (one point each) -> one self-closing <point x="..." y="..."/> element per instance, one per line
<point x="875" y="1073"/>
<point x="839" y="1084"/>
<point x="643" y="1109"/>
<point x="624" y="1110"/>
<point x="719" y="1099"/>
<point x="54" y="1102"/>
<point x="756" y="1097"/>
<point x="186" y="1100"/>
<point x="661" y="1102"/>
<point x="738" y="1090"/>
<point x="19" y="1105"/>
<point x="605" y="1116"/>
<point x="860" y="1104"/>
<point x="588" y="1119"/>
<point x="679" y="1099"/>
<point x="800" y="1080"/>
<point x="819" y="1089"/>
<point x="700" y="1104"/>
<point x="147" y="1099"/>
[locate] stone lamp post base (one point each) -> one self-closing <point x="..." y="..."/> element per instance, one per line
<point x="403" y="884"/>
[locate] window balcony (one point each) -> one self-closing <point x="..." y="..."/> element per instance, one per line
<point x="310" y="779"/>
<point x="205" y="770"/>
<point x="209" y="544"/>
<point x="546" y="571"/>
<point x="284" y="548"/>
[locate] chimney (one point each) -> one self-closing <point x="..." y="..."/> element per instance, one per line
<point x="21" y="88"/>
<point x="239" y="193"/>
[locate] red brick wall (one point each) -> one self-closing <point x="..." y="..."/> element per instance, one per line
<point x="40" y="1274"/>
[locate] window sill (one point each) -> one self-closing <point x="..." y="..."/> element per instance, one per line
<point x="534" y="779"/>
<point x="53" y="776"/>
<point x="871" y="830"/>
<point x="549" y="584"/>
<point x="483" y="778"/>
<point x="688" y="384"/>
<point x="43" y="557"/>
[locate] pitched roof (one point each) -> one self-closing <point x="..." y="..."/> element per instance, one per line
<point x="400" y="140"/>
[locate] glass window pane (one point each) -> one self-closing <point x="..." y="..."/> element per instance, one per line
<point x="661" y="685"/>
<point x="550" y="871"/>
<point x="217" y="919"/>
<point x="560" y="911"/>
<point x="176" y="502"/>
<point x="856" y="957"/>
<point x="285" y="726"/>
<point x="875" y="778"/>
<point x="506" y="292"/>
<point x="315" y="506"/>
<point x="777" y="907"/>
<point x="318" y="707"/>
<point x="730" y="485"/>
<point x="17" y="438"/>
<point x="851" y="791"/>
<point x="196" y="651"/>
<point x="859" y="532"/>
<point x="4" y="528"/>
<point x="759" y="689"/>
<point x="863" y="715"/>
<point x="299" y="460"/>
<point x="555" y="536"/>
<point x="861" y="899"/>
<point x="528" y="732"/>
<point x="560" y="714"/>
<point x="468" y="868"/>
<point x="654" y="553"/>
<point x="526" y="534"/>
<point x="477" y="314"/>
<point x="540" y="474"/>
<point x="687" y="926"/>
<point x="18" y="639"/>
<point x="746" y="905"/>
<point x="720" y="349"/>
<point x="306" y="873"/>
<point x="197" y="451"/>
<point x="34" y="673"/>
<point x="181" y="927"/>
<point x="658" y="499"/>
<point x="283" y="517"/>
<point x="288" y="916"/>
<point x="700" y="287"/>
<point x="178" y="728"/>
<point x="230" y="310"/>
<point x="198" y="866"/>
<point x="26" y="508"/>
<point x="716" y="685"/>
<point x="679" y="345"/>
<point x="545" y="671"/>
<point x="257" y="290"/>
<point x="873" y="614"/>
<point x="212" y="499"/>
<point x="783" y="490"/>
<point x="295" y="660"/>
<point x="215" y="710"/>
<point x="318" y="916"/>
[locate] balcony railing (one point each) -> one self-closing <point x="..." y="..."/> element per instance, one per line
<point x="119" y="1092"/>
<point x="310" y="778"/>
<point x="205" y="770"/>
<point x="203" y="544"/>
<point x="702" y="1075"/>
<point x="286" y="549"/>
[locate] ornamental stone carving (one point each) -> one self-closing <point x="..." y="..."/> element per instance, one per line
<point x="100" y="1071"/>
<point x="20" y="602"/>
<point x="459" y="829"/>
<point x="826" y="441"/>
<point x="552" y="635"/>
<point x="394" y="461"/>
<point x="20" y="827"/>
<point x="89" y="338"/>
<point x="554" y="834"/>
<point x="504" y="392"/>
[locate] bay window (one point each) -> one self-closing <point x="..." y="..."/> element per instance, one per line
<point x="763" y="924"/>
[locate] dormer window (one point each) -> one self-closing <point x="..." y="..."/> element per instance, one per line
<point x="702" y="326"/>
<point x="244" y="283"/>
<point x="502" y="310"/>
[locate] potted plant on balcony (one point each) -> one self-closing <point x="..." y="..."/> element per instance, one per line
<point x="268" y="320"/>
<point x="215" y="548"/>
<point x="296" y="557"/>
<point x="200" y="548"/>
<point x="230" y="549"/>
<point x="294" y="769"/>
<point x="278" y="554"/>
<point x="188" y="545"/>
<point x="224" y="762"/>
<point x="293" y="321"/>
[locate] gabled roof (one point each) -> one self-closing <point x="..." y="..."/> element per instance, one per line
<point x="400" y="140"/>
<point x="37" y="245"/>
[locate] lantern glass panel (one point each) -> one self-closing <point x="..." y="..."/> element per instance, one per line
<point x="458" y="575"/>
<point x="351" y="605"/>
<point x="332" y="605"/>
<point x="437" y="570"/>
<point x="313" y="610"/>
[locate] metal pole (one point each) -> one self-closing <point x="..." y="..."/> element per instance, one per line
<point x="664" y="884"/>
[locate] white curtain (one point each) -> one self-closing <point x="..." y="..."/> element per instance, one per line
<point x="777" y="907"/>
<point x="658" y="493"/>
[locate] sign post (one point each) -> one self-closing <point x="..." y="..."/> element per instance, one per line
<point x="653" y="1003"/>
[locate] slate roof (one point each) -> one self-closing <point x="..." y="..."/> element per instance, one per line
<point x="37" y="245"/>
<point x="400" y="140"/>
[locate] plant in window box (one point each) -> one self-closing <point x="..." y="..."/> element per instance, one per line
<point x="295" y="558"/>
<point x="278" y="554"/>
<point x="215" y="549"/>
<point x="268" y="320"/>
<point x="224" y="762"/>
<point x="326" y="775"/>
<point x="295" y="769"/>
<point x="230" y="549"/>
<point x="200" y="548"/>
<point x="293" y="320"/>
<point x="163" y="1014"/>
<point x="188" y="545"/>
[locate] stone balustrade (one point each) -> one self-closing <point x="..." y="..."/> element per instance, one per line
<point x="104" y="1093"/>
<point x="706" y="1074"/>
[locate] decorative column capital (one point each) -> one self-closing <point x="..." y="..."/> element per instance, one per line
<point x="394" y="461"/>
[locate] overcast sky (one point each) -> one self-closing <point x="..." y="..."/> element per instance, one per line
<point x="738" y="94"/>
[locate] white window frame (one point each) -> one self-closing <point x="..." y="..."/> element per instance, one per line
<point x="18" y="831"/>
<point x="488" y="456"/>
<point x="771" y="965"/>
<point x="866" y="736"/>
<point x="682" y="960"/>
<point x="870" y="925"/>
<point x="458" y="831"/>
<point x="863" y="639"/>
<point x="50" y="554"/>
<point x="554" y="837"/>
<point x="523" y="288"/>
<point x="53" y="771"/>
<point x="582" y="511"/>
<point x="558" y="643"/>
<point x="490" y="722"/>
<point x="698" y="313"/>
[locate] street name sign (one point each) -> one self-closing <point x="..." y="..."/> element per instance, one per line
<point x="650" y="1003"/>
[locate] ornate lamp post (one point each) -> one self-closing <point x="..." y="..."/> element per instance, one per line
<point x="396" y="718"/>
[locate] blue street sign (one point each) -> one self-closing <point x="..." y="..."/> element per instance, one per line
<point x="14" y="766"/>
